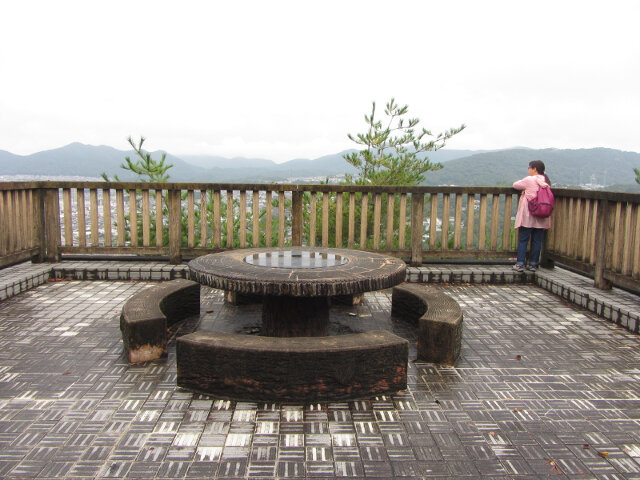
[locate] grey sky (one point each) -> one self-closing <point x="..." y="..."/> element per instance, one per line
<point x="284" y="80"/>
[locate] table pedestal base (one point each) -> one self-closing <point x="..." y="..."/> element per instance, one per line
<point x="295" y="316"/>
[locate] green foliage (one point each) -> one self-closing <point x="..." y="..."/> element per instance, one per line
<point x="394" y="150"/>
<point x="147" y="169"/>
<point x="637" y="170"/>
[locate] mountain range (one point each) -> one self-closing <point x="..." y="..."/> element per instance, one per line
<point x="599" y="166"/>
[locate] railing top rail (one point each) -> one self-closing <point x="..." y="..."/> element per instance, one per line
<point x="292" y="187"/>
<point x="274" y="187"/>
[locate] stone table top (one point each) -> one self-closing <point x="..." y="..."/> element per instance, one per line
<point x="298" y="271"/>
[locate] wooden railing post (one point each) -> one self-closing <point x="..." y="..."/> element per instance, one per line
<point x="545" y="261"/>
<point x="417" y="218"/>
<point x="175" y="226"/>
<point x="51" y="210"/>
<point x="37" y="225"/>
<point x="602" y="240"/>
<point x="296" y="219"/>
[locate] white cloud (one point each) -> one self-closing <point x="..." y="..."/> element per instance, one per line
<point x="288" y="79"/>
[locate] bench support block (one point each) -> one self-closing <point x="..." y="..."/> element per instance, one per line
<point x="300" y="369"/>
<point x="439" y="319"/>
<point x="147" y="315"/>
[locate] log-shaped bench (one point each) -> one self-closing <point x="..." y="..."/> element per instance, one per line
<point x="300" y="369"/>
<point x="147" y="315"/>
<point x="439" y="320"/>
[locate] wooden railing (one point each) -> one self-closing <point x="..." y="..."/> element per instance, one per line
<point x="595" y="232"/>
<point x="21" y="222"/>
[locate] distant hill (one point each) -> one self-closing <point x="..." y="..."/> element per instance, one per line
<point x="601" y="166"/>
<point x="82" y="160"/>
<point x="462" y="167"/>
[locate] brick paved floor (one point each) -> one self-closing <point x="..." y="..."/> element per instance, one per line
<point x="543" y="389"/>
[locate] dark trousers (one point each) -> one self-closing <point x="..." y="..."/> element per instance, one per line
<point x="536" y="235"/>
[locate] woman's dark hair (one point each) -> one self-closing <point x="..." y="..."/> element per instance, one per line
<point x="539" y="167"/>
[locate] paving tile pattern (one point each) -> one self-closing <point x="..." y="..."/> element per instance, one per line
<point x="543" y="389"/>
<point x="615" y="305"/>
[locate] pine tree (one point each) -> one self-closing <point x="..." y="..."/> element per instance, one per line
<point x="394" y="153"/>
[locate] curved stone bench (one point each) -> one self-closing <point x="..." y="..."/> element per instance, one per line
<point x="147" y="315"/>
<point x="300" y="369"/>
<point x="439" y="320"/>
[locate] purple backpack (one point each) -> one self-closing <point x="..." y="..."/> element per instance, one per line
<point x="542" y="204"/>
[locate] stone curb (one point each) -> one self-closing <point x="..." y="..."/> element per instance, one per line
<point x="616" y="306"/>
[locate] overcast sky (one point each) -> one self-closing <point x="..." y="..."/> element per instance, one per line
<point x="289" y="79"/>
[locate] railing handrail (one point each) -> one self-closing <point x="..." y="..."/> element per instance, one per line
<point x="313" y="187"/>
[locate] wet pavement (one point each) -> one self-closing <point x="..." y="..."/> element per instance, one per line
<point x="543" y="388"/>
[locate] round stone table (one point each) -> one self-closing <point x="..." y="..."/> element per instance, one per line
<point x="296" y="283"/>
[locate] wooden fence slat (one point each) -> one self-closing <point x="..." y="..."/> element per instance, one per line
<point x="93" y="215"/>
<point x="191" y="220"/>
<point x="628" y="244"/>
<point x="433" y="222"/>
<point x="255" y="214"/>
<point x="297" y="218"/>
<point x="482" y="223"/>
<point x="269" y="218"/>
<point x="352" y="220"/>
<point x="635" y="270"/>
<point x="13" y="222"/>
<point x="8" y="222"/>
<point x="4" y="223"/>
<point x="584" y="229"/>
<point x="471" y="210"/>
<point x="146" y="218"/>
<point x="571" y="242"/>
<point x="26" y="220"/>
<point x="446" y="212"/>
<point x="364" y="218"/>
<point x="15" y="214"/>
<point x="390" y="223"/>
<point x="217" y="220"/>
<point x="594" y="218"/>
<point x="80" y="211"/>
<point x="120" y="217"/>
<point x="106" y="216"/>
<point x="325" y="219"/>
<point x="313" y="212"/>
<point x="417" y="227"/>
<point x="495" y="221"/>
<point x="377" y="208"/>
<point x="506" y="226"/>
<point x="230" y="218"/>
<point x="174" y="204"/>
<point x="243" y="218"/>
<point x="133" y="217"/>
<point x="402" y="228"/>
<point x="576" y="243"/>
<point x="457" y="222"/>
<point x="281" y="202"/>
<point x="159" y="219"/>
<point x="339" y="208"/>
<point x="584" y="232"/>
<point x="68" y="217"/>
<point x="203" y="218"/>
<point x="618" y="235"/>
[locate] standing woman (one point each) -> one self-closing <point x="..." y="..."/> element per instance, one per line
<point x="530" y="227"/>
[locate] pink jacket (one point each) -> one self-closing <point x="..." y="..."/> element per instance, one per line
<point x="529" y="186"/>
